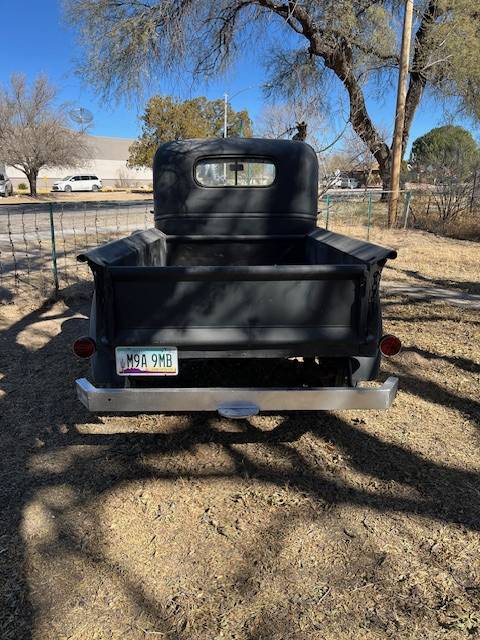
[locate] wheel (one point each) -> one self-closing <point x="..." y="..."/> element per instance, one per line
<point x="94" y="187"/>
<point x="68" y="188"/>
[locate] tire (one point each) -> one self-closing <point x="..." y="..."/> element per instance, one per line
<point x="68" y="189"/>
<point x="95" y="187"/>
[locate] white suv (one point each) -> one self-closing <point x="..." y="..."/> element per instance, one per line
<point x="6" y="187"/>
<point x="78" y="183"/>
<point x="349" y="183"/>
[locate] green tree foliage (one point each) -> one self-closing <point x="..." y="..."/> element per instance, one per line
<point x="447" y="159"/>
<point x="445" y="154"/>
<point x="304" y="44"/>
<point x="168" y="119"/>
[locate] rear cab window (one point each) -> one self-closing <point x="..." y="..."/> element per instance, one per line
<point x="235" y="172"/>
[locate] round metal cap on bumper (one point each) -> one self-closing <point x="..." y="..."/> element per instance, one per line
<point x="235" y="402"/>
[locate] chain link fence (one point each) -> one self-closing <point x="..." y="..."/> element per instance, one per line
<point x="364" y="214"/>
<point x="360" y="213"/>
<point x="39" y="243"/>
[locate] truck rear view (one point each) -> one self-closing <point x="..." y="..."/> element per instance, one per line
<point x="236" y="301"/>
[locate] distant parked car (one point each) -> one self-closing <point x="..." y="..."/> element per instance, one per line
<point x="334" y="182"/>
<point x="6" y="187"/>
<point x="78" y="183"/>
<point x="349" y="183"/>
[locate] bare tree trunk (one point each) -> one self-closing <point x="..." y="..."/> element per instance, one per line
<point x="386" y="177"/>
<point x="32" y="181"/>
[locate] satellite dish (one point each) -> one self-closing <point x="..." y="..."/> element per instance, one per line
<point x="81" y="116"/>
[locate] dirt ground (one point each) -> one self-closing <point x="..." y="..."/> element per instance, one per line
<point x="353" y="525"/>
<point x="425" y="259"/>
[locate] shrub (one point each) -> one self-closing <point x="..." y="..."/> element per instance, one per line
<point x="22" y="186"/>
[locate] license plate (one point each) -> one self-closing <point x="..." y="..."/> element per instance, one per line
<point x="147" y="361"/>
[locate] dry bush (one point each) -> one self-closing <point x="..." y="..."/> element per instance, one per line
<point x="428" y="214"/>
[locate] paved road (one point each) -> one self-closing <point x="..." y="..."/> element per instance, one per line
<point x="32" y="222"/>
<point x="44" y="207"/>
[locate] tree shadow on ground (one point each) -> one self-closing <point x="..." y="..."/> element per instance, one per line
<point x="40" y="413"/>
<point x="471" y="288"/>
<point x="457" y="361"/>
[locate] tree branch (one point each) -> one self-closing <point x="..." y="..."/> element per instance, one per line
<point x="431" y="64"/>
<point x="339" y="60"/>
<point x="334" y="141"/>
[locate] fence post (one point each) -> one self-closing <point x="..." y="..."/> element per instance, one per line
<point x="54" y="250"/>
<point x="407" y="207"/>
<point x="327" y="210"/>
<point x="369" y="214"/>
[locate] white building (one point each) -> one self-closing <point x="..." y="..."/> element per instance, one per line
<point x="107" y="160"/>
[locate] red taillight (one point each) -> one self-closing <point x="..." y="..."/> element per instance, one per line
<point x="84" y="347"/>
<point x="390" y="346"/>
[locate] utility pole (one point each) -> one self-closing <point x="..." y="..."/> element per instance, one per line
<point x="225" y="112"/>
<point x="400" y="112"/>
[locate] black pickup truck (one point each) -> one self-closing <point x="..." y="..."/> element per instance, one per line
<point x="236" y="301"/>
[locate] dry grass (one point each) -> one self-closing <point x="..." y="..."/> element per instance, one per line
<point x="304" y="526"/>
<point x="426" y="259"/>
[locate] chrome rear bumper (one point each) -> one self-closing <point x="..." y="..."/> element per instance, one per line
<point x="235" y="402"/>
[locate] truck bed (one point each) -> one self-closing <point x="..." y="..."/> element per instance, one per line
<point x="313" y="295"/>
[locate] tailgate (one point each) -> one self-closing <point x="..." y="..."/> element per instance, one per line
<point x="197" y="308"/>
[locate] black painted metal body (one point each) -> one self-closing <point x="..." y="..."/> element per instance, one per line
<point x="239" y="272"/>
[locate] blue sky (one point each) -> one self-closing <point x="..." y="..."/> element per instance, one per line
<point x="37" y="40"/>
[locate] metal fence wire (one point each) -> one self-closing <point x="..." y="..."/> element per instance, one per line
<point x="39" y="242"/>
<point x="358" y="213"/>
